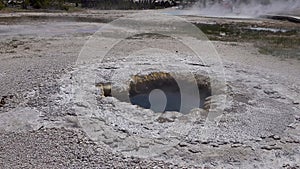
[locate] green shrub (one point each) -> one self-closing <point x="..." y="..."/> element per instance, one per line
<point x="65" y="7"/>
<point x="38" y="4"/>
<point x="26" y="3"/>
<point x="49" y="4"/>
<point x="2" y="5"/>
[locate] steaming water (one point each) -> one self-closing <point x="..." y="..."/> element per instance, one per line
<point x="274" y="30"/>
<point x="251" y="10"/>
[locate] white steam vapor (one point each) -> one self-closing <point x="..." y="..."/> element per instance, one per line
<point x="237" y="8"/>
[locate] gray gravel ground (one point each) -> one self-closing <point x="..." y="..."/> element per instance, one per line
<point x="61" y="148"/>
<point x="40" y="129"/>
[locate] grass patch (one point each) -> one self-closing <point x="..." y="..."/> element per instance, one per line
<point x="2" y="5"/>
<point x="279" y="43"/>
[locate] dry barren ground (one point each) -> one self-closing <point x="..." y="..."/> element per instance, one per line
<point x="43" y="125"/>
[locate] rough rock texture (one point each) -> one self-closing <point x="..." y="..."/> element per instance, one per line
<point x="259" y="126"/>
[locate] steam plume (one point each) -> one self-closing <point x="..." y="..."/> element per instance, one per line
<point x="242" y="8"/>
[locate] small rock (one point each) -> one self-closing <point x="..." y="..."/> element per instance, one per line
<point x="213" y="163"/>
<point x="183" y="144"/>
<point x="214" y="145"/>
<point x="272" y="144"/>
<point x="262" y="137"/>
<point x="11" y="51"/>
<point x="2" y="101"/>
<point x="275" y="137"/>
<point x="236" y="145"/>
<point x="292" y="125"/>
<point x="296" y="102"/>
<point x="251" y="102"/>
<point x="275" y="97"/>
<point x="223" y="143"/>
<point x="235" y="142"/>
<point x="194" y="150"/>
<point x="268" y="147"/>
<point x="71" y="113"/>
<point x="258" y="87"/>
<point x="258" y="139"/>
<point x="81" y="104"/>
<point x="194" y="142"/>
<point x="198" y="64"/>
<point x="108" y="141"/>
<point x="222" y="34"/>
<point x="289" y="141"/>
<point x="268" y="92"/>
<point x="164" y="119"/>
<point x="285" y="165"/>
<point x="205" y="142"/>
<point x="297" y="118"/>
<point x="168" y="117"/>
